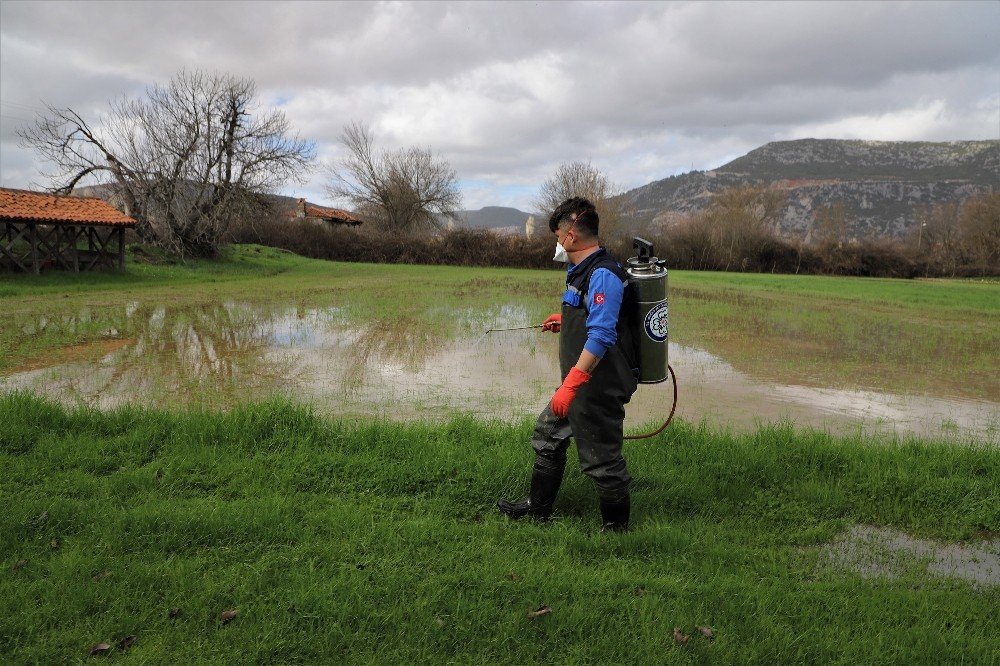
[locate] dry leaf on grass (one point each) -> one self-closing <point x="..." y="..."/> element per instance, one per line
<point x="680" y="637"/>
<point x="706" y="632"/>
<point x="544" y="610"/>
<point x="55" y="543"/>
<point x="100" y="648"/>
<point x="514" y="576"/>
<point x="20" y="564"/>
<point x="227" y="616"/>
<point x="126" y="643"/>
<point x="100" y="575"/>
<point x="640" y="591"/>
<point x="174" y="612"/>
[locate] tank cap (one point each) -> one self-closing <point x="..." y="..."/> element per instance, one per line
<point x="643" y="250"/>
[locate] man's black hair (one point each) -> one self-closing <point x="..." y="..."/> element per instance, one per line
<point x="586" y="215"/>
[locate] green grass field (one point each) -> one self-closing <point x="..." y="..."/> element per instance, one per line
<point x="350" y="540"/>
<point x="378" y="543"/>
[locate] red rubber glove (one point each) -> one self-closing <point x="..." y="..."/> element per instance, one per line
<point x="565" y="393"/>
<point x="553" y="323"/>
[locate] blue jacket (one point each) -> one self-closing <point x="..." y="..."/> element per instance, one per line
<point x="604" y="302"/>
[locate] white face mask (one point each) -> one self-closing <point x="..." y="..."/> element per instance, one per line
<point x="560" y="253"/>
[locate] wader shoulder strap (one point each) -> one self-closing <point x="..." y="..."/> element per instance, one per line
<point x="579" y="284"/>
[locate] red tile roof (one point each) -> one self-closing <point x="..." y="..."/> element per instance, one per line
<point x="312" y="210"/>
<point x="303" y="207"/>
<point x="53" y="209"/>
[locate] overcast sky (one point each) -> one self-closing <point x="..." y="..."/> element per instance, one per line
<point x="507" y="91"/>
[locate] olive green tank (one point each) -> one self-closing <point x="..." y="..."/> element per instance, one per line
<point x="648" y="277"/>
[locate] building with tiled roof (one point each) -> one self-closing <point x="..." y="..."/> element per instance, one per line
<point x="42" y="230"/>
<point x="54" y="209"/>
<point x="309" y="211"/>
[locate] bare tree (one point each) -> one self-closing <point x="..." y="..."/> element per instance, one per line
<point x="408" y="190"/>
<point x="741" y="219"/>
<point x="582" y="179"/>
<point x="938" y="235"/>
<point x="979" y="227"/>
<point x="832" y="224"/>
<point x="186" y="160"/>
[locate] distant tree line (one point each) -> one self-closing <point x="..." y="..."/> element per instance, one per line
<point x="737" y="232"/>
<point x="193" y="161"/>
<point x="192" y="158"/>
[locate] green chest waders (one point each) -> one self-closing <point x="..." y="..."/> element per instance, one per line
<point x="597" y="414"/>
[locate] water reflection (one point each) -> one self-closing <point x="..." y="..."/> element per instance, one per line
<point x="428" y="364"/>
<point x="206" y="353"/>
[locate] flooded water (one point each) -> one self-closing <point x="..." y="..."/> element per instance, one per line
<point x="427" y="367"/>
<point x="882" y="552"/>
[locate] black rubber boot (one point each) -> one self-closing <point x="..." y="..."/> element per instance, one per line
<point x="615" y="513"/>
<point x="538" y="504"/>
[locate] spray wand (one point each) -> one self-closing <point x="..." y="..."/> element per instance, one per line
<point x="673" y="378"/>
<point x="516" y="328"/>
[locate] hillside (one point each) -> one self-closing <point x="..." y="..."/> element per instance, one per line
<point x="880" y="183"/>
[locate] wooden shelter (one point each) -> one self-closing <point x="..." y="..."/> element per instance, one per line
<point x="43" y="230"/>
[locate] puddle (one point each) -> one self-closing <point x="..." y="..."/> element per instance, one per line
<point x="73" y="353"/>
<point x="879" y="552"/>
<point x="711" y="389"/>
<point x="426" y="364"/>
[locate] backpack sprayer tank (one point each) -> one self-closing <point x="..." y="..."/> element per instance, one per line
<point x="648" y="277"/>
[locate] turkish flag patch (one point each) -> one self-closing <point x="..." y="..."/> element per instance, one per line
<point x="598" y="298"/>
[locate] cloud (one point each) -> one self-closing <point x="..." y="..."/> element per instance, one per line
<point x="508" y="91"/>
<point x="911" y="124"/>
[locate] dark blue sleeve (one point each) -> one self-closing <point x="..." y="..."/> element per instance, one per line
<point x="604" y="302"/>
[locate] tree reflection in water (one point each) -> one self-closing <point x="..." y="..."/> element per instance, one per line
<point x="404" y="342"/>
<point x="207" y="353"/>
<point x="216" y="354"/>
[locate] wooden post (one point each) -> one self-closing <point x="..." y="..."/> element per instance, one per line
<point x="121" y="248"/>
<point x="72" y="233"/>
<point x="12" y="232"/>
<point x="33" y="233"/>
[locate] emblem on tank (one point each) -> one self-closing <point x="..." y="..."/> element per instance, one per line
<point x="656" y="322"/>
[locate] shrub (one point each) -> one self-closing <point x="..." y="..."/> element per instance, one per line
<point x="689" y="244"/>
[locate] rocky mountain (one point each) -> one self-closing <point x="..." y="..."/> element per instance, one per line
<point x="881" y="184"/>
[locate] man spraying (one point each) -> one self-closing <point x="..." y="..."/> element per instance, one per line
<point x="598" y="361"/>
